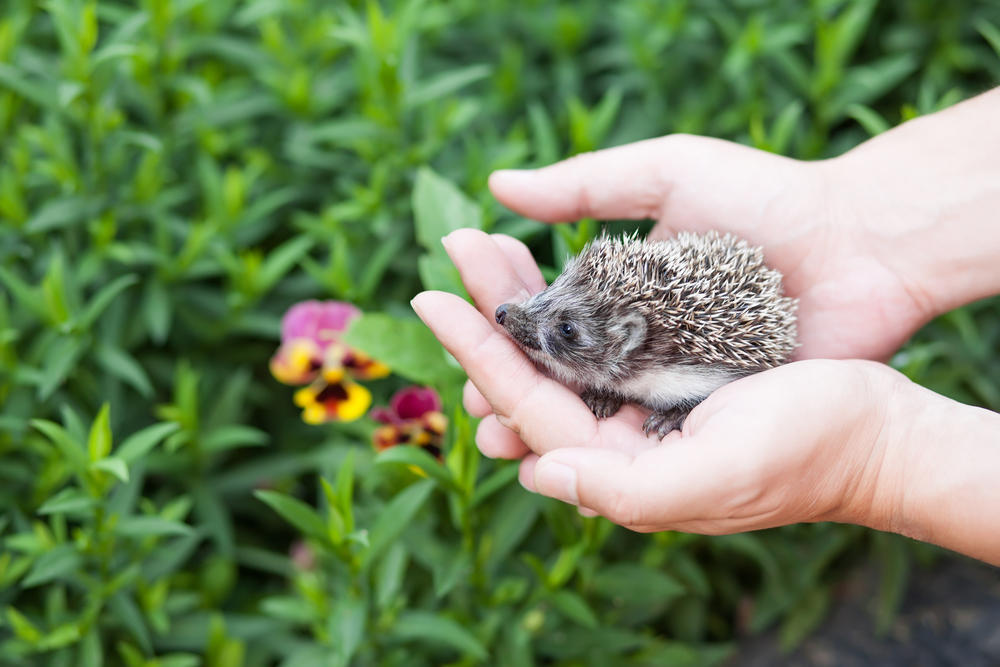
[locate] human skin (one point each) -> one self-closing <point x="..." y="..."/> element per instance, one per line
<point x="873" y="243"/>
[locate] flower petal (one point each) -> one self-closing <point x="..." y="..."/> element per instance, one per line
<point x="356" y="404"/>
<point x="320" y="321"/>
<point x="414" y="402"/>
<point x="296" y="362"/>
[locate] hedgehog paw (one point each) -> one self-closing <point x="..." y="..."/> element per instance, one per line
<point x="664" y="422"/>
<point x="601" y="404"/>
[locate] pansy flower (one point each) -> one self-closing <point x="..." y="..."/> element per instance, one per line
<point x="413" y="417"/>
<point x="312" y="354"/>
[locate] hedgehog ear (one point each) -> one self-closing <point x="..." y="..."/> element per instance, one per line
<point x="633" y="325"/>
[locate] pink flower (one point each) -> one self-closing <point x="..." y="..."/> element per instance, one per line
<point x="413" y="417"/>
<point x="311" y="354"/>
<point x="408" y="403"/>
<point x="302" y="555"/>
<point x="320" y="321"/>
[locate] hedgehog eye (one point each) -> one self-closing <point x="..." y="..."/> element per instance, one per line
<point x="567" y="330"/>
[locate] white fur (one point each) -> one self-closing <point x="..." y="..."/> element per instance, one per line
<point x="665" y="387"/>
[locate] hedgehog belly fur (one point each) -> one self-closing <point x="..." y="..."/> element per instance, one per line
<point x="664" y="387"/>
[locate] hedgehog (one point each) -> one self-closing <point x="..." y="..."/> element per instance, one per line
<point x="661" y="324"/>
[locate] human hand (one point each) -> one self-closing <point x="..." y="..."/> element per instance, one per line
<point x="787" y="445"/>
<point x="855" y="299"/>
<point x="813" y="440"/>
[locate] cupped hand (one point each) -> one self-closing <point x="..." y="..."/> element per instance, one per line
<point x="856" y="297"/>
<point x="797" y="443"/>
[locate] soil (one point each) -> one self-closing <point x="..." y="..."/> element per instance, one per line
<point x="950" y="616"/>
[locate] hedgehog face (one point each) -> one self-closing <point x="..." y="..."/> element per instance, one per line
<point x="575" y="337"/>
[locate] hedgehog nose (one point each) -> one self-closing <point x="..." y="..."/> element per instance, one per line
<point x="501" y="313"/>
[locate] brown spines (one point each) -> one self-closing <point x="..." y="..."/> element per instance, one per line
<point x="711" y="295"/>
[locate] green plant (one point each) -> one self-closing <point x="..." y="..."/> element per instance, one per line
<point x="174" y="174"/>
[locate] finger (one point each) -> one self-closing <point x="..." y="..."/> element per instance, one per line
<point x="497" y="441"/>
<point x="526" y="472"/>
<point x="662" y="486"/>
<point x="623" y="182"/>
<point x="474" y="402"/>
<point x="487" y="273"/>
<point x="522" y="261"/>
<point x="543" y="412"/>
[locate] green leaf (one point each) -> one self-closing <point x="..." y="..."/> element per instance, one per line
<point x="157" y="311"/>
<point x="989" y="32"/>
<point x="345" y="490"/>
<point x="425" y="627"/>
<point x="438" y="273"/>
<point x="61" y="358"/>
<point x="27" y="296"/>
<point x="634" y="584"/>
<point x="61" y="212"/>
<point x="894" y="562"/>
<point x="445" y="84"/>
<point x="23" y="628"/>
<point x="149" y="526"/>
<point x="448" y="572"/>
<point x="804" y="617"/>
<point x="389" y="575"/>
<point x="574" y="608"/>
<point x="71" y="448"/>
<point x="99" y="442"/>
<point x="281" y="260"/>
<point x="140" y="443"/>
<point x="509" y="524"/>
<point x="295" y="512"/>
<point x="440" y="208"/>
<point x="121" y="364"/>
<point x="124" y="608"/>
<point x="395" y="517"/>
<point x="500" y="478"/>
<point x="868" y="118"/>
<point x="91" y="653"/>
<point x="346" y="626"/>
<point x="68" y="501"/>
<point x="288" y="608"/>
<point x="58" y="562"/>
<point x="405" y="345"/>
<point x="408" y="455"/>
<point x="103" y="299"/>
<point x="112" y="465"/>
<point x="233" y="436"/>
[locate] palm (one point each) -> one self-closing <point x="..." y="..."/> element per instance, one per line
<point x="851" y="303"/>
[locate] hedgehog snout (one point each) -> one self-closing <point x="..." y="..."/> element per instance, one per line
<point x="512" y="318"/>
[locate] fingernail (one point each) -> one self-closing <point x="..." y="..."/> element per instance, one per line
<point x="415" y="305"/>
<point x="557" y="481"/>
<point x="446" y="242"/>
<point x="586" y="512"/>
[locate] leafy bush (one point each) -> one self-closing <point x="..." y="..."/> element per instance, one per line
<point x="174" y="175"/>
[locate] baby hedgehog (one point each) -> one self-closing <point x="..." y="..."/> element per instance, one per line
<point x="658" y="323"/>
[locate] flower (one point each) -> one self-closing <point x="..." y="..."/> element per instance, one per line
<point x="303" y="556"/>
<point x="413" y="417"/>
<point x="332" y="399"/>
<point x="312" y="354"/>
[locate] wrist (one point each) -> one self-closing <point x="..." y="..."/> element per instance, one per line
<point x="925" y="197"/>
<point x="933" y="473"/>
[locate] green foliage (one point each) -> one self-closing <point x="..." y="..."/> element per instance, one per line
<point x="175" y="173"/>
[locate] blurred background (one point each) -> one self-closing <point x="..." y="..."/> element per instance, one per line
<point x="176" y="174"/>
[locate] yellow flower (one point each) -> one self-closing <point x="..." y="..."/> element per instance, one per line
<point x="340" y="400"/>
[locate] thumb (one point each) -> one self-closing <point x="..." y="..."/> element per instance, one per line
<point x="623" y="182"/>
<point x="666" y="484"/>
